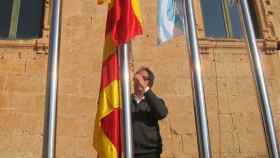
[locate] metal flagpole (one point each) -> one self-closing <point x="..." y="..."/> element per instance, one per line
<point x="52" y="82"/>
<point x="268" y="124"/>
<point x="123" y="53"/>
<point x="198" y="91"/>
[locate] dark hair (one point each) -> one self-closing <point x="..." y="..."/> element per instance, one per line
<point x="151" y="76"/>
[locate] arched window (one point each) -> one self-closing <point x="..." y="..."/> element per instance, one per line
<point x="222" y="19"/>
<point x="21" y="19"/>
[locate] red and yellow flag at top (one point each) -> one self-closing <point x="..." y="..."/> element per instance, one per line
<point x="123" y="24"/>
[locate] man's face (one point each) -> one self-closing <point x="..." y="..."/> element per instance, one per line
<point x="141" y="81"/>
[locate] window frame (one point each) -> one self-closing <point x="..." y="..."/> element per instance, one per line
<point x="268" y="41"/>
<point x="40" y="45"/>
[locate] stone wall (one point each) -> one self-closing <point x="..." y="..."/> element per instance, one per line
<point x="234" y="119"/>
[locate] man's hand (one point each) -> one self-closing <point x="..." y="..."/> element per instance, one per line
<point x="141" y="81"/>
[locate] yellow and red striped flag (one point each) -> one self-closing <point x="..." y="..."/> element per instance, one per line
<point x="123" y="24"/>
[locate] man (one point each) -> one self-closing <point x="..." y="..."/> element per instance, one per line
<point x="147" y="109"/>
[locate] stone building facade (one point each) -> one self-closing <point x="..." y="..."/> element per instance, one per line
<point x="234" y="119"/>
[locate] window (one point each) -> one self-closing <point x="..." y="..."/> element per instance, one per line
<point x="21" y="19"/>
<point x="222" y="19"/>
<point x="253" y="12"/>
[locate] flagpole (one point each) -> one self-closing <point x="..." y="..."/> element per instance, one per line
<point x="123" y="53"/>
<point x="264" y="103"/>
<point x="52" y="82"/>
<point x="198" y="90"/>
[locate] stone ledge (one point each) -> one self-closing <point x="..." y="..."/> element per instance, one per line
<point x="39" y="46"/>
<point x="268" y="46"/>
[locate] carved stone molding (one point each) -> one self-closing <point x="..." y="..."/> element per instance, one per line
<point x="265" y="17"/>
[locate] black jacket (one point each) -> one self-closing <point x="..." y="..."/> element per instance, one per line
<point x="145" y="116"/>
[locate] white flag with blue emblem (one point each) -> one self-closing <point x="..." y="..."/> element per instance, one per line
<point x="170" y="19"/>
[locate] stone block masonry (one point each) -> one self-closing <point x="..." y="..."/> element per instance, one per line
<point x="234" y="119"/>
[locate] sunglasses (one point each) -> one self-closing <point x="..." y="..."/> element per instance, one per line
<point x="146" y="78"/>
